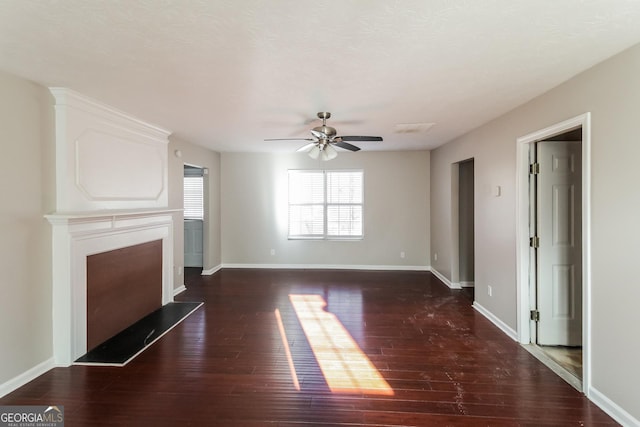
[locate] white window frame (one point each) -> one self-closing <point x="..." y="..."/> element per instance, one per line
<point x="325" y="205"/>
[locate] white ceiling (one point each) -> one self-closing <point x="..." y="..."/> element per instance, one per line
<point x="228" y="73"/>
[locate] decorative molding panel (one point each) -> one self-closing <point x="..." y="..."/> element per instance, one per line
<point x="140" y="168"/>
<point x="106" y="159"/>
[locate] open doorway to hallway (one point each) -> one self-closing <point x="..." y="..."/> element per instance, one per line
<point x="463" y="231"/>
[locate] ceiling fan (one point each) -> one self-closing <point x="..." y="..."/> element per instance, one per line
<point x="324" y="138"/>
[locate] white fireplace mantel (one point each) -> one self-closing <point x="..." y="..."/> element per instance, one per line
<point x="77" y="235"/>
<point x="111" y="176"/>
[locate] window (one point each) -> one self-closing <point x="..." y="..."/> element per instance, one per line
<point x="193" y="193"/>
<point x="325" y="204"/>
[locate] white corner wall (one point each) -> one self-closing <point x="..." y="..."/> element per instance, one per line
<point x="396" y="218"/>
<point x="610" y="91"/>
<point x="26" y="121"/>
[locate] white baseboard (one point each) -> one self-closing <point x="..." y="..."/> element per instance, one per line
<point x="612" y="409"/>
<point x="179" y="290"/>
<point x="331" y="267"/>
<point x="211" y="271"/>
<point x="467" y="284"/>
<point x="496" y="321"/>
<point x="25" y="377"/>
<point x="444" y="280"/>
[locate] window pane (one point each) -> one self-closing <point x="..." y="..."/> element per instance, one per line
<point x="344" y="187"/>
<point x="306" y="187"/>
<point x="344" y="220"/>
<point x="306" y="220"/>
<point x="193" y="197"/>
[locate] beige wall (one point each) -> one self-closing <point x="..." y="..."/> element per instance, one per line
<point x="396" y="197"/>
<point x="243" y="187"/>
<point x="196" y="156"/>
<point x="26" y="191"/>
<point x="611" y="92"/>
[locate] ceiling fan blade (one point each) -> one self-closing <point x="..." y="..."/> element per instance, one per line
<point x="361" y="138"/>
<point x="289" y="139"/>
<point x="346" y="146"/>
<point x="307" y="147"/>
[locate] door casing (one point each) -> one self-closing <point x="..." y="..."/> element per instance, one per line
<point x="523" y="258"/>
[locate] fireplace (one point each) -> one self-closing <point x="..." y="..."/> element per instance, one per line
<point x="111" y="196"/>
<point x="76" y="237"/>
<point x="123" y="286"/>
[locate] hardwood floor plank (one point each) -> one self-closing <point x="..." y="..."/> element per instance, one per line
<point x="227" y="363"/>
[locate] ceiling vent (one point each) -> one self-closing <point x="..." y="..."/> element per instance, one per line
<point x="413" y="127"/>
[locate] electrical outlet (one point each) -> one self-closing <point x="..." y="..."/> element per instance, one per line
<point x="435" y="256"/>
<point x="402" y="254"/>
<point x="490" y="291"/>
<point x="273" y="251"/>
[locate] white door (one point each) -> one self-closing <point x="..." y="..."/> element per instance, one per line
<point x="559" y="255"/>
<point x="193" y="243"/>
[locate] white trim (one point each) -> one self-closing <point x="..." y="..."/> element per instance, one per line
<point x="69" y="98"/>
<point x="331" y="267"/>
<point x="612" y="409"/>
<point x="211" y="271"/>
<point x="467" y="284"/>
<point x="443" y="279"/>
<point x="22" y="379"/>
<point x="496" y="321"/>
<point x="179" y="290"/>
<point x="522" y="234"/>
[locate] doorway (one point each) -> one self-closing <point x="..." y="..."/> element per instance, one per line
<point x="462" y="226"/>
<point x="194" y="213"/>
<point x="466" y="265"/>
<point x="555" y="199"/>
<point x="553" y="248"/>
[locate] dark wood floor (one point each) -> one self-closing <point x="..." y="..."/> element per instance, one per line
<point x="226" y="364"/>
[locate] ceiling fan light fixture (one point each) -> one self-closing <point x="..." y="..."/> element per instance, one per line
<point x="328" y="153"/>
<point x="314" y="153"/>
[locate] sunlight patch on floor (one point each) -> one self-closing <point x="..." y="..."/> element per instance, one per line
<point x="345" y="367"/>
<point x="285" y="343"/>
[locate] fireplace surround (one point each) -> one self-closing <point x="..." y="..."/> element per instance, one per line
<point x="111" y="193"/>
<point x="77" y="236"/>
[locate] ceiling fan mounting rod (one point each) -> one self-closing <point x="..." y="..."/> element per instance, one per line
<point x="324" y="115"/>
